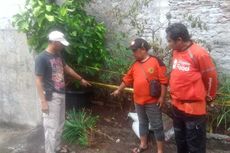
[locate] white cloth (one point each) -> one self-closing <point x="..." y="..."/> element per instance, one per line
<point x="169" y="133"/>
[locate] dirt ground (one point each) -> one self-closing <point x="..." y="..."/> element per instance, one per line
<point x="114" y="135"/>
<point x="115" y="124"/>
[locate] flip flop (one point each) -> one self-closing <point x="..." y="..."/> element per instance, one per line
<point x="139" y="150"/>
<point x="63" y="149"/>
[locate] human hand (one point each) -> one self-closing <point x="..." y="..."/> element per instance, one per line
<point x="160" y="102"/>
<point x="85" y="83"/>
<point x="115" y="93"/>
<point x="44" y="106"/>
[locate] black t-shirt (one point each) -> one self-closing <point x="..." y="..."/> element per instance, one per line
<point x="51" y="67"/>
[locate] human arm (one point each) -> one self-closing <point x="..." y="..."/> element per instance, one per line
<point x="68" y="70"/>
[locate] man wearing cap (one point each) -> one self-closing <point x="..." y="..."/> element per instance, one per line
<point x="49" y="69"/>
<point x="145" y="69"/>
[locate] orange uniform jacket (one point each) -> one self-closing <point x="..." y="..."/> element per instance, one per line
<point x="154" y="69"/>
<point x="193" y="77"/>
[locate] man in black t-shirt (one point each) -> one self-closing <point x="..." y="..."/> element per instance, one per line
<point x="49" y="69"/>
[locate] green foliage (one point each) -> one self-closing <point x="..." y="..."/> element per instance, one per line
<point x="117" y="63"/>
<point x="220" y="117"/>
<point x="224" y="89"/>
<point x="223" y="118"/>
<point x="195" y="22"/>
<point x="121" y="58"/>
<point x="86" y="36"/>
<point x="131" y="13"/>
<point x="78" y="127"/>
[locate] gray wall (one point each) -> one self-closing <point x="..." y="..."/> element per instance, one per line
<point x="18" y="96"/>
<point x="215" y="13"/>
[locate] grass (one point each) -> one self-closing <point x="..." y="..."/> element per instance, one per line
<point x="224" y="99"/>
<point x="79" y="127"/>
<point x="219" y="119"/>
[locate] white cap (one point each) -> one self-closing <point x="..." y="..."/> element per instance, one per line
<point x="58" y="36"/>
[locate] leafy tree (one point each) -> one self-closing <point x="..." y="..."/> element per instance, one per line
<point x="85" y="34"/>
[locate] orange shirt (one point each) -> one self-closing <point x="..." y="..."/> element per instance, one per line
<point x="193" y="77"/>
<point x="154" y="69"/>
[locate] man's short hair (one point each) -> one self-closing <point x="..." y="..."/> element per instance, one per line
<point x="178" y="30"/>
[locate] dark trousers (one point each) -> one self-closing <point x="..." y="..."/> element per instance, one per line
<point x="190" y="134"/>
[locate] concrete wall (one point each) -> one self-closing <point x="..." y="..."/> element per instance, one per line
<point x="215" y="13"/>
<point x="18" y="97"/>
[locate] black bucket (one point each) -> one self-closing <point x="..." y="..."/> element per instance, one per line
<point x="78" y="99"/>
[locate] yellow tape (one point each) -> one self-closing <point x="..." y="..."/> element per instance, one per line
<point x="102" y="84"/>
<point x="130" y="90"/>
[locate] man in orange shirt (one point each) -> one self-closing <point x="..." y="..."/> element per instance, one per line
<point x="193" y="83"/>
<point x="145" y="69"/>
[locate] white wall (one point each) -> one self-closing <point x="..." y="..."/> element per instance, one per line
<point x="18" y="97"/>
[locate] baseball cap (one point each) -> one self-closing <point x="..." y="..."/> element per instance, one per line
<point x="139" y="43"/>
<point x="58" y="36"/>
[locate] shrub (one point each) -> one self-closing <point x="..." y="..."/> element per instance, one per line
<point x="79" y="127"/>
<point x="85" y="34"/>
<point x="219" y="118"/>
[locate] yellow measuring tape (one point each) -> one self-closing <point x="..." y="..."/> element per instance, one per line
<point x="130" y="90"/>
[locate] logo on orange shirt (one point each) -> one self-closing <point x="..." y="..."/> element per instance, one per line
<point x="181" y="65"/>
<point x="151" y="70"/>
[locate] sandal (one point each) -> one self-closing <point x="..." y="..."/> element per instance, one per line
<point x="139" y="149"/>
<point x="63" y="150"/>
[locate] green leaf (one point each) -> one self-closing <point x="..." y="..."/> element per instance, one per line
<point x="74" y="33"/>
<point x="40" y="3"/>
<point x="71" y="10"/>
<point x="99" y="34"/>
<point x="50" y="18"/>
<point x="40" y="21"/>
<point x="48" y="8"/>
<point x="83" y="47"/>
<point x="80" y="58"/>
<point x="63" y="11"/>
<point x="25" y="26"/>
<point x="84" y="40"/>
<point x="36" y="11"/>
